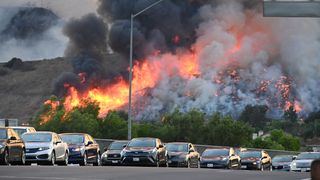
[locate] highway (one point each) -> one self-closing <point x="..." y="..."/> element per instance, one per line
<point x="138" y="173"/>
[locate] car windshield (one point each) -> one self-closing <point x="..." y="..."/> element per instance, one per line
<point x="3" y="134"/>
<point x="216" y="152"/>
<point x="247" y="154"/>
<point x="177" y="147"/>
<point x="142" y="143"/>
<point x="72" y="139"/>
<point x="20" y="131"/>
<point x="282" y="159"/>
<point x="117" y="145"/>
<point x="37" y="137"/>
<point x="308" y="156"/>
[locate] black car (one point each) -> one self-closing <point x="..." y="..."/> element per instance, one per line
<point x="181" y="154"/>
<point x="259" y="160"/>
<point x="282" y="162"/>
<point x="219" y="158"/>
<point x="12" y="148"/>
<point x="83" y="149"/>
<point x="144" y="151"/>
<point x="112" y="155"/>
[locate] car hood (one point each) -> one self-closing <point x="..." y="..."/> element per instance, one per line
<point x="177" y="153"/>
<point x="281" y="163"/>
<point x="37" y="144"/>
<point x="113" y="151"/>
<point x="139" y="148"/>
<point x="208" y="158"/>
<point x="3" y="142"/>
<point x="250" y="159"/>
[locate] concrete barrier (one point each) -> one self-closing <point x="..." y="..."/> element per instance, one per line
<point x="200" y="148"/>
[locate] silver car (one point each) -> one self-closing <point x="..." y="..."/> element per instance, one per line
<point x="44" y="147"/>
<point x="303" y="161"/>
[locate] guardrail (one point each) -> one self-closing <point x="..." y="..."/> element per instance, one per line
<point x="106" y="142"/>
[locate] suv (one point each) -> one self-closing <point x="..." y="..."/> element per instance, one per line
<point x="83" y="149"/>
<point x="220" y="158"/>
<point x="22" y="129"/>
<point x="144" y="151"/>
<point x="45" y="147"/>
<point x="259" y="160"/>
<point x="182" y="154"/>
<point x="112" y="155"/>
<point x="12" y="148"/>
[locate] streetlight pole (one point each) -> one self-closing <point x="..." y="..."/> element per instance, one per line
<point x="130" y="71"/>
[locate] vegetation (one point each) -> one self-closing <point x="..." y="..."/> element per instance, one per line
<point x="193" y="126"/>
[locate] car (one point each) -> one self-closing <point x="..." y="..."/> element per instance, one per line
<point x="219" y="158"/>
<point x="23" y="129"/>
<point x="112" y="155"/>
<point x="45" y="147"/>
<point x="12" y="148"/>
<point x="282" y="162"/>
<point x="144" y="151"/>
<point x="182" y="154"/>
<point x="303" y="161"/>
<point x="83" y="149"/>
<point x="258" y="160"/>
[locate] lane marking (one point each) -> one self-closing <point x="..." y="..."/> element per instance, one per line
<point x="51" y="178"/>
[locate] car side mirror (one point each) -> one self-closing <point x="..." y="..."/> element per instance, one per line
<point x="105" y="148"/>
<point x="57" y="142"/>
<point x="124" y="146"/>
<point x="160" y="146"/>
<point x="13" y="138"/>
<point x="191" y="150"/>
<point x="89" y="143"/>
<point x="294" y="157"/>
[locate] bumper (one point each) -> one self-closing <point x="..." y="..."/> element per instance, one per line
<point x="250" y="165"/>
<point x="175" y="162"/>
<point x="40" y="156"/>
<point x="281" y="168"/>
<point x="138" y="160"/>
<point x="213" y="164"/>
<point x="109" y="162"/>
<point x="306" y="169"/>
<point x="75" y="157"/>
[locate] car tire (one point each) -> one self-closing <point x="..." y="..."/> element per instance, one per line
<point x="98" y="160"/>
<point x="27" y="164"/>
<point x="261" y="167"/>
<point x="84" y="161"/>
<point x="157" y="162"/>
<point x="52" y="161"/>
<point x="66" y="160"/>
<point x="229" y="165"/>
<point x="23" y="158"/>
<point x="5" y="158"/>
<point x="188" y="164"/>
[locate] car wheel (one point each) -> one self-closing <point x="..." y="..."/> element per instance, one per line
<point x="84" y="161"/>
<point x="229" y="165"/>
<point x="5" y="158"/>
<point x="52" y="162"/>
<point x="98" y="160"/>
<point x="23" y="158"/>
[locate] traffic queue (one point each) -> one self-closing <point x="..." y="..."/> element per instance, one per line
<point x="48" y="148"/>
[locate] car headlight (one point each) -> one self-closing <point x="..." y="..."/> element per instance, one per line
<point x="1" y="146"/>
<point x="43" y="148"/>
<point x="104" y="155"/>
<point x="78" y="149"/>
<point x="224" y="159"/>
<point x="293" y="164"/>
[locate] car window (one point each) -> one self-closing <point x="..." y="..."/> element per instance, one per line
<point x="248" y="154"/>
<point x="117" y="145"/>
<point x="282" y="159"/>
<point x="72" y="138"/>
<point x="15" y="134"/>
<point x="142" y="143"/>
<point x="37" y="137"/>
<point x="216" y="152"/>
<point x="171" y="147"/>
<point x="3" y="134"/>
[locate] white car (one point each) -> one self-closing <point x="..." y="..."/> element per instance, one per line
<point x="43" y="147"/>
<point x="303" y="161"/>
<point x="22" y="129"/>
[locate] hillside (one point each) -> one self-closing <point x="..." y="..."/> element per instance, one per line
<point x="24" y="86"/>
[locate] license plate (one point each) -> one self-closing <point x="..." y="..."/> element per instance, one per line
<point x="304" y="169"/>
<point x="114" y="162"/>
<point x="209" y="165"/>
<point x="136" y="159"/>
<point x="243" y="166"/>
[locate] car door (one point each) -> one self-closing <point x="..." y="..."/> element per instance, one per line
<point x="14" y="149"/>
<point x="91" y="154"/>
<point x="18" y="144"/>
<point x="95" y="146"/>
<point x="58" y="147"/>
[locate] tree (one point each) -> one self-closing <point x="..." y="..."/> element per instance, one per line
<point x="291" y="115"/>
<point x="255" y="116"/>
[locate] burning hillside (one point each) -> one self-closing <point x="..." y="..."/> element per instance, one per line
<point x="216" y="56"/>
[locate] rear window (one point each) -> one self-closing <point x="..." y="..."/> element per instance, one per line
<point x="216" y="152"/>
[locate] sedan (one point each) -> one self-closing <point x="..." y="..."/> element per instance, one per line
<point x="112" y="155"/>
<point x="219" y="158"/>
<point x="282" y="162"/>
<point x="303" y="161"/>
<point x="45" y="147"/>
<point x="12" y="148"/>
<point x="83" y="149"/>
<point x="144" y="151"/>
<point x="182" y="154"/>
<point x="259" y="160"/>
